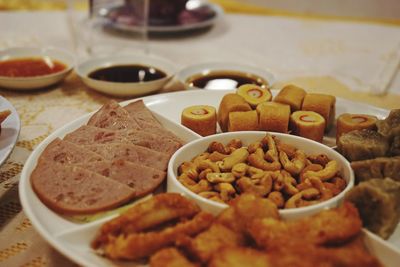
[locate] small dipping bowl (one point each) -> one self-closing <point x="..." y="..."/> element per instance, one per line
<point x="49" y="55"/>
<point x="223" y="76"/>
<point x="194" y="148"/>
<point x="125" y="89"/>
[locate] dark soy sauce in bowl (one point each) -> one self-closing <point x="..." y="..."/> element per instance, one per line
<point x="127" y="74"/>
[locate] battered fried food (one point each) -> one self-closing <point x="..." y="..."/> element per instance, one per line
<point x="148" y="214"/>
<point x="170" y="257"/>
<point x="239" y="257"/>
<point x="334" y="226"/>
<point x="135" y="246"/>
<point x="209" y="242"/>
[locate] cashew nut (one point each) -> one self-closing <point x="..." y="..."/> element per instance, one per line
<point x="304" y="185"/>
<point x="201" y="186"/>
<point x="320" y="159"/>
<point x="302" y="199"/>
<point x="288" y="149"/>
<point x="278" y="182"/>
<point x="260" y="187"/>
<point x="323" y="190"/>
<point x="201" y="157"/>
<point x="289" y="184"/>
<point x="212" y="195"/>
<point x="240" y="169"/>
<point x="277" y="198"/>
<point x="272" y="152"/>
<point x="259" y="162"/>
<point x="218" y="147"/>
<point x="294" y="166"/>
<point x="255" y="173"/>
<point x="190" y="169"/>
<point x="216" y="177"/>
<point x="227" y="191"/>
<point x="217" y="156"/>
<point x="311" y="167"/>
<point x="253" y="146"/>
<point x="325" y="174"/>
<point x="238" y="156"/>
<point x="203" y="173"/>
<point x="339" y="182"/>
<point x="234" y="144"/>
<point x="208" y="164"/>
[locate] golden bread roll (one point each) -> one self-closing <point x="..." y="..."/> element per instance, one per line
<point x="273" y="117"/>
<point x="254" y="94"/>
<point x="322" y="104"/>
<point x="348" y="122"/>
<point x="230" y="102"/>
<point x="292" y="96"/>
<point x="308" y="124"/>
<point x="200" y="119"/>
<point x="243" y="121"/>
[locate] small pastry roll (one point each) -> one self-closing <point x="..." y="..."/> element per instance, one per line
<point x="323" y="105"/>
<point x="254" y="94"/>
<point x="348" y="122"/>
<point x="200" y="119"/>
<point x="243" y="121"/>
<point x="292" y="96"/>
<point x="230" y="102"/>
<point x="308" y="124"/>
<point x="273" y="117"/>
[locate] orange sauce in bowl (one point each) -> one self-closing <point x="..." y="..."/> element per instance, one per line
<point x="30" y="67"/>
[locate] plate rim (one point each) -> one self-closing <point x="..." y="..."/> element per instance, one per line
<point x="14" y="114"/>
<point x="149" y="101"/>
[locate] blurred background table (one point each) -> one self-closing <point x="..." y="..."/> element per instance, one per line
<point x="350" y="57"/>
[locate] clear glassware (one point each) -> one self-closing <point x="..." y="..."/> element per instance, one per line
<point x="108" y="27"/>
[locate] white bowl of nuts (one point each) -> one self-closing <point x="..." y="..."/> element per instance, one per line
<point x="299" y="175"/>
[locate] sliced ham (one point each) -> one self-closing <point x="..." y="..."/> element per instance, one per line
<point x="88" y="135"/>
<point x="112" y="116"/>
<point x="140" y="178"/>
<point x="132" y="153"/>
<point x="73" y="190"/>
<point x="145" y="118"/>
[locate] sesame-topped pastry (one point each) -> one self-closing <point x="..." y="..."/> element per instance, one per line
<point x="292" y="96"/>
<point x="273" y="117"/>
<point x="308" y="124"/>
<point x="201" y="119"/>
<point x="322" y="104"/>
<point x="254" y="94"/>
<point x="348" y="122"/>
<point x="230" y="102"/>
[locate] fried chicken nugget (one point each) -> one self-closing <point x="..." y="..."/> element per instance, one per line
<point x="334" y="226"/>
<point x="148" y="214"/>
<point x="170" y="257"/>
<point x="135" y="246"/>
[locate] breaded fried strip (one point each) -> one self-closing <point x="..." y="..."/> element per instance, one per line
<point x="134" y="246"/>
<point x="156" y="211"/>
<point x="170" y="257"/>
<point x="204" y="245"/>
<point x="333" y="226"/>
<point x="239" y="257"/>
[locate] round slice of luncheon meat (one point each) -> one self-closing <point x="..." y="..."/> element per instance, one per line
<point x="73" y="190"/>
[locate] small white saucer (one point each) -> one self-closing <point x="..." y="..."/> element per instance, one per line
<point x="37" y="82"/>
<point x="125" y="89"/>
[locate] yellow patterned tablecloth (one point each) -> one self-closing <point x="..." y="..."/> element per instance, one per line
<point x="42" y="112"/>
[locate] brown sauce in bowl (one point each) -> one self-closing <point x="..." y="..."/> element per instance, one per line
<point x="127" y="74"/>
<point x="220" y="80"/>
<point x="30" y="67"/>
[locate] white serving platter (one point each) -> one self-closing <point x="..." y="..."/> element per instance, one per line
<point x="9" y="130"/>
<point x="73" y="239"/>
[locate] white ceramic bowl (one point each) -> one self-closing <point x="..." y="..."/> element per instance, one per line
<point x="125" y="89"/>
<point x="194" y="148"/>
<point x="37" y="82"/>
<point x="204" y="68"/>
